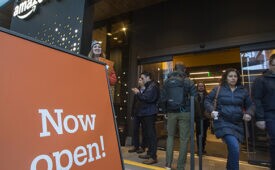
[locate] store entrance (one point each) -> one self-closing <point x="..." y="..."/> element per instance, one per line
<point x="204" y="67"/>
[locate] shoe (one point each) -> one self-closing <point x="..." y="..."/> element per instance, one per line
<point x="133" y="150"/>
<point x="168" y="167"/>
<point x="150" y="161"/>
<point x="144" y="156"/>
<point x="140" y="150"/>
<point x="203" y="153"/>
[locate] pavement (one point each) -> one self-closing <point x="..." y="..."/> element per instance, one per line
<point x="132" y="162"/>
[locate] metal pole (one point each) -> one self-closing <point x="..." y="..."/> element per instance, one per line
<point x="200" y="143"/>
<point x="192" y="162"/>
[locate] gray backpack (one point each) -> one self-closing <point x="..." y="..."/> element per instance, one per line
<point x="174" y="93"/>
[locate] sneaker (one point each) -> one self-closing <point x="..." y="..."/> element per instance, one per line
<point x="133" y="150"/>
<point x="140" y="150"/>
<point x="144" y="156"/>
<point x="150" y="161"/>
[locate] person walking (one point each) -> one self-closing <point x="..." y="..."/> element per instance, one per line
<point x="263" y="94"/>
<point x="233" y="106"/>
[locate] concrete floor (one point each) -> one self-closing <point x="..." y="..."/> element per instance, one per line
<point x="132" y="162"/>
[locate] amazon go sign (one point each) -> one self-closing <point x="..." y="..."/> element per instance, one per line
<point x="53" y="114"/>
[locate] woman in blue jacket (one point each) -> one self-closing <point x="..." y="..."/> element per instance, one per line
<point x="233" y="106"/>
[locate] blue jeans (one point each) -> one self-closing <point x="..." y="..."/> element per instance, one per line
<point x="270" y="127"/>
<point x="233" y="149"/>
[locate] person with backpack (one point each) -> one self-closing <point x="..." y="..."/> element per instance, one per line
<point x="177" y="90"/>
<point x="148" y="112"/>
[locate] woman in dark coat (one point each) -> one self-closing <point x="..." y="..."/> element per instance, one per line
<point x="233" y="106"/>
<point x="202" y="122"/>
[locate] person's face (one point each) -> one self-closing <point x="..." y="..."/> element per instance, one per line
<point x="144" y="79"/>
<point x="272" y="66"/>
<point x="201" y="87"/>
<point x="97" y="49"/>
<point x="140" y="82"/>
<point x="232" y="78"/>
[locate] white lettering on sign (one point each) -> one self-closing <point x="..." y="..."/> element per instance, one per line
<point x="26" y="8"/>
<point x="79" y="157"/>
<point x="86" y="121"/>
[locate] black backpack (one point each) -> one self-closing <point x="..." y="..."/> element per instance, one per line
<point x="173" y="93"/>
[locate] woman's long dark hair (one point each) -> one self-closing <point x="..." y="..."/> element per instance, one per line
<point x="225" y="74"/>
<point x="200" y="82"/>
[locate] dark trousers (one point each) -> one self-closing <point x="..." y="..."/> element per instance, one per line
<point x="136" y="141"/>
<point x="270" y="127"/>
<point x="150" y="133"/>
<point x="205" y="125"/>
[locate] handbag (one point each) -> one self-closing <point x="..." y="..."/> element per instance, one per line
<point x="208" y="115"/>
<point x="215" y="101"/>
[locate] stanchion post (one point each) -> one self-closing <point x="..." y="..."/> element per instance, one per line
<point x="192" y="161"/>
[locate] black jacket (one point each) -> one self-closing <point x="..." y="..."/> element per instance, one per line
<point x="264" y="96"/>
<point x="199" y="107"/>
<point x="148" y="99"/>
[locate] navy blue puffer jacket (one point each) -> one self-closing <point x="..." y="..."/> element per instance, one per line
<point x="231" y="106"/>
<point x="148" y="99"/>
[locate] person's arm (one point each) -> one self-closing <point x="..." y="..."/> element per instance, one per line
<point x="112" y="77"/>
<point x="149" y="95"/>
<point x="257" y="95"/>
<point x="193" y="90"/>
<point x="208" y="102"/>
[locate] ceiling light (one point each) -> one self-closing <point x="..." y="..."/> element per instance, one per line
<point x="115" y="38"/>
<point x="110" y="34"/>
<point x="124" y="29"/>
<point x="204" y="78"/>
<point x="196" y="73"/>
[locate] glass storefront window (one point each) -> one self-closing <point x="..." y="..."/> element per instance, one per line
<point x="99" y="34"/>
<point x="159" y="70"/>
<point x="254" y="63"/>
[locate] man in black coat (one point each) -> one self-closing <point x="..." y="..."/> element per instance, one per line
<point x="264" y="97"/>
<point x="148" y="111"/>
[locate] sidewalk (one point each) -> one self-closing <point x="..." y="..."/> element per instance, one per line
<point x="132" y="162"/>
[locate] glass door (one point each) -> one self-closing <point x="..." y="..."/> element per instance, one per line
<point x="254" y="63"/>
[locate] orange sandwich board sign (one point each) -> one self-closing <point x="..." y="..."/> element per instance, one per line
<point x="56" y="111"/>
